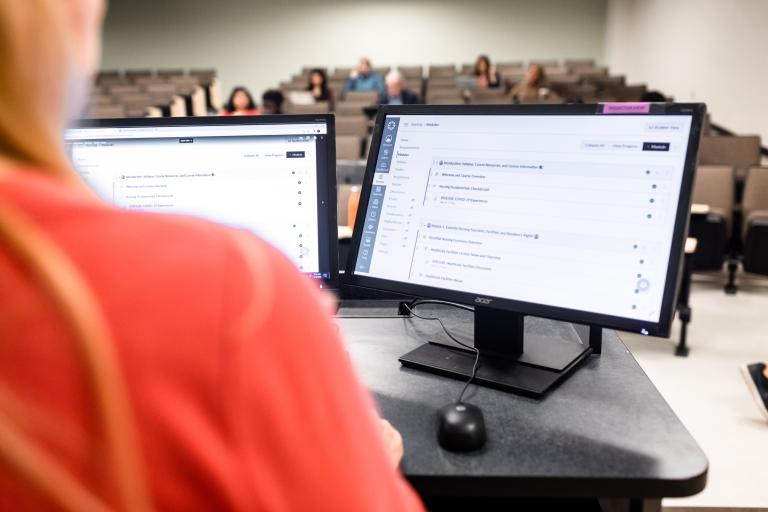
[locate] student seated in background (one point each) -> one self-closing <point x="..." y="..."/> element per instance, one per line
<point x="318" y="86"/>
<point x="533" y="87"/>
<point x="272" y="102"/>
<point x="364" y="78"/>
<point x="653" y="97"/>
<point x="485" y="74"/>
<point x="240" y="103"/>
<point x="396" y="93"/>
<point x="156" y="361"/>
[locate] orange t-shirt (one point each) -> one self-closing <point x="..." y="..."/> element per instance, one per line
<point x="243" y="395"/>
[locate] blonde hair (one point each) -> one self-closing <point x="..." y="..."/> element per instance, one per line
<point x="74" y="301"/>
<point x="36" y="52"/>
<point x="36" y="58"/>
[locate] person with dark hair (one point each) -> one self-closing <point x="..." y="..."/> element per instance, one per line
<point x="272" y="102"/>
<point x="364" y="78"/>
<point x="240" y="103"/>
<point x="533" y="87"/>
<point x="318" y="86"/>
<point x="485" y="73"/>
<point x="653" y="97"/>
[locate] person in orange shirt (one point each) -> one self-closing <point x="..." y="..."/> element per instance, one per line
<point x="240" y="103"/>
<point x="154" y="362"/>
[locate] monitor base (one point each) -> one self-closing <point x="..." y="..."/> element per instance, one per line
<point x="533" y="374"/>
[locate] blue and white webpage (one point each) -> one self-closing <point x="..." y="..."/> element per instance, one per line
<point x="575" y="212"/>
<point x="262" y="178"/>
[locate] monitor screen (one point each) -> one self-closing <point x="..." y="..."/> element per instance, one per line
<point x="272" y="176"/>
<point x="571" y="212"/>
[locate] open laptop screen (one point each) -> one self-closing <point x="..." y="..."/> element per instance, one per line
<point x="273" y="177"/>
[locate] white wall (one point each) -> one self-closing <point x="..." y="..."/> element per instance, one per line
<point x="259" y="43"/>
<point x="715" y="51"/>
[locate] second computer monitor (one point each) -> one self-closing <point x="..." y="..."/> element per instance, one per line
<point x="271" y="175"/>
<point x="573" y="212"/>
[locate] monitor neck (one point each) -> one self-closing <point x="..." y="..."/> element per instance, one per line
<point x="499" y="333"/>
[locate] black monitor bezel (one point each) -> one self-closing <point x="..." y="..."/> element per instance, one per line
<point x="660" y="328"/>
<point x="331" y="282"/>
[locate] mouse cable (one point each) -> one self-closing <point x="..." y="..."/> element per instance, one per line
<point x="408" y="306"/>
<point x="420" y="302"/>
<point x="452" y="337"/>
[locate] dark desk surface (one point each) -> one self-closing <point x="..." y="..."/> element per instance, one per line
<point x="605" y="432"/>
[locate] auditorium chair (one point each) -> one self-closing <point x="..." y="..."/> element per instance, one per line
<point x="165" y="88"/>
<point x="561" y="75"/>
<point x="121" y="89"/>
<point x="544" y="63"/>
<point x="467" y="69"/>
<point x="336" y="85"/>
<point x="489" y="96"/>
<point x="711" y="220"/>
<point x="112" y="80"/>
<point x="144" y="81"/>
<point x="586" y="93"/>
<point x="204" y="75"/>
<point x="167" y="73"/>
<point x="444" y="96"/>
<point x="411" y="71"/>
<point x="740" y="151"/>
<point x="510" y="78"/>
<point x="566" y="86"/>
<point x="555" y="71"/>
<point x="441" y="82"/>
<point x="442" y="71"/>
<point x="352" y="125"/>
<point x="755" y="229"/>
<point x="155" y="112"/>
<point x="97" y="99"/>
<point x="164" y="102"/>
<point x="351" y="108"/>
<point x="550" y="100"/>
<point x="193" y="98"/>
<point x="588" y="75"/>
<point x="369" y="97"/>
<point x="190" y="80"/>
<point x="318" y="107"/>
<point x="340" y="73"/>
<point x="606" y="85"/>
<point x="107" y="73"/>
<point x="579" y="63"/>
<point x="414" y="84"/>
<point x="510" y="67"/>
<point x="446" y="100"/>
<point x="299" y="81"/>
<point x="133" y="73"/>
<point x="348" y="147"/>
<point x="105" y="112"/>
<point x="382" y="70"/>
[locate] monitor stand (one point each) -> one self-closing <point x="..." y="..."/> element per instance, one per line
<point x="506" y="362"/>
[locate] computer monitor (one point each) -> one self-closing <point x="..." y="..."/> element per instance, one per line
<point x="271" y="175"/>
<point x="568" y="212"/>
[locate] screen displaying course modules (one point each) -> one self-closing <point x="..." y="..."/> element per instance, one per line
<point x="269" y="179"/>
<point x="567" y="211"/>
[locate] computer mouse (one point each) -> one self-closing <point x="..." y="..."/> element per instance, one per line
<point x="460" y="427"/>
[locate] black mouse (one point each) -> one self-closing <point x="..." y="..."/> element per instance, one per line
<point x="460" y="427"/>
